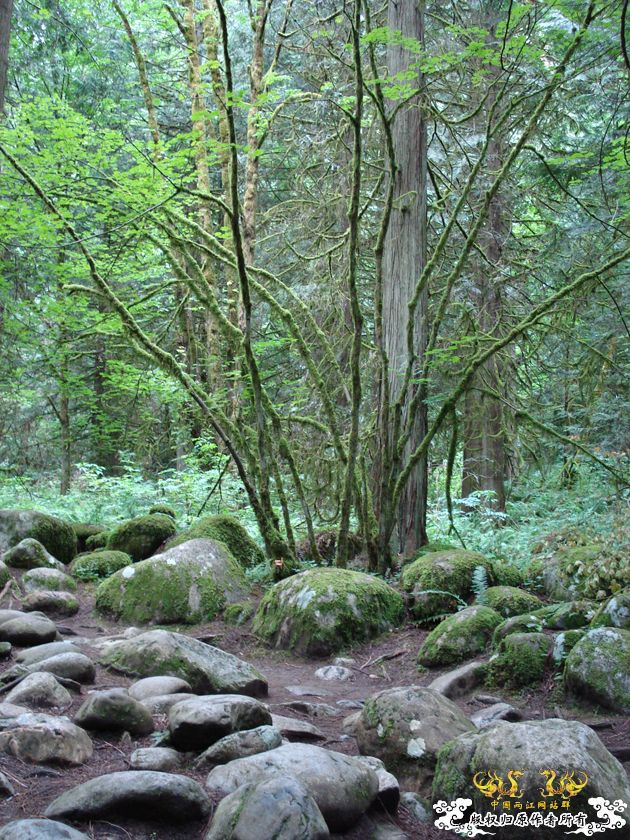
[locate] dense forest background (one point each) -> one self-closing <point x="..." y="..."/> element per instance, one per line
<point x="341" y="267"/>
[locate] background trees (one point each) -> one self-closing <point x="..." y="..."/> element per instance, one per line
<point x="332" y="250"/>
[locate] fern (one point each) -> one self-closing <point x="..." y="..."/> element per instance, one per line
<point x="479" y="583"/>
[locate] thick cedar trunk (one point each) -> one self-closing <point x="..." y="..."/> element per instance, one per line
<point x="403" y="260"/>
<point x="6" y="10"/>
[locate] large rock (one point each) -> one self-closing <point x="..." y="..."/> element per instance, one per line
<point x="240" y="745"/>
<point x="40" y="690"/>
<point x="460" y="636"/>
<point x="163" y="703"/>
<point x="50" y="580"/>
<point x="84" y="531"/>
<point x="43" y="739"/>
<point x="322" y="610"/>
<point x="598" y="668"/>
<point x="27" y="629"/>
<point x="158" y="686"/>
<point x="57" y="536"/>
<point x="30" y="554"/>
<point x="187" y="584"/>
<point x="156" y="758"/>
<point x="615" y="612"/>
<point x="204" y="667"/>
<point x="139" y="794"/>
<point x="40" y="830"/>
<point x="405" y="727"/>
<point x="342" y="786"/>
<point x="51" y="603"/>
<point x="554" y="746"/>
<point x="280" y="808"/>
<point x="114" y="710"/>
<point x="521" y="659"/>
<point x="141" y="536"/>
<point x="98" y="565"/>
<point x="198" y="723"/>
<point x="70" y="665"/>
<point x="45" y="651"/>
<point x="510" y="600"/>
<point x="228" y="530"/>
<point x="433" y="579"/>
<point x="568" y="615"/>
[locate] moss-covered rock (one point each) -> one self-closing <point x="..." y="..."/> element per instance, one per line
<point x="167" y="510"/>
<point x="433" y="547"/>
<point x="563" y="644"/>
<point x="228" y="530"/>
<point x="569" y="615"/>
<point x="54" y="534"/>
<point x="84" y="530"/>
<point x="509" y="600"/>
<point x="30" y="554"/>
<point x="97" y="541"/>
<point x="462" y="635"/>
<point x="51" y="580"/>
<point x="526" y="623"/>
<point x="439" y="581"/>
<point x="615" y="612"/>
<point x="598" y="668"/>
<point x="521" y="660"/>
<point x="5" y="574"/>
<point x="187" y="584"/>
<point x="98" y="565"/>
<point x="323" y="610"/>
<point x="142" y="536"/>
<point x="507" y="574"/>
<point x="239" y="613"/>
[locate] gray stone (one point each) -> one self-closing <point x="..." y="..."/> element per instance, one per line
<point x="41" y="652"/>
<point x="40" y="830"/>
<point x="51" y="603"/>
<point x="415" y="806"/>
<point x="40" y="690"/>
<point x="157" y="686"/>
<point x="341" y="785"/>
<point x="240" y="745"/>
<point x="72" y="666"/>
<point x="10" y="710"/>
<point x="30" y="554"/>
<point x="279" y="807"/>
<point x="615" y="612"/>
<point x="460" y="681"/>
<point x="155" y="758"/>
<point x="598" y="668"/>
<point x="139" y="794"/>
<point x="350" y="723"/>
<point x="312" y="709"/>
<point x="27" y="629"/>
<point x="405" y="727"/>
<point x="530" y="746"/>
<point x="198" y="723"/>
<point x="204" y="667"/>
<point x="43" y="739"/>
<point x="6" y="788"/>
<point x="52" y="580"/>
<point x="114" y="710"/>
<point x="162" y="704"/>
<point x="297" y="730"/>
<point x="491" y="714"/>
<point x="57" y="536"/>
<point x="388" y="787"/>
<point x="334" y="672"/>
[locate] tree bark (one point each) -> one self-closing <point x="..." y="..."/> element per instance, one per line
<point x="403" y="259"/>
<point x="6" y="10"/>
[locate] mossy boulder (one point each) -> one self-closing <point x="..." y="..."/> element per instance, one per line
<point x="507" y="574"/>
<point x="598" y="668"/>
<point x="526" y="623"/>
<point x="142" y="536"/>
<point x="569" y="615"/>
<point x="54" y="534"/>
<point x="521" y="660"/>
<point x="615" y="612"/>
<point x="323" y="610"/>
<point x="458" y="637"/>
<point x="30" y="554"/>
<point x="51" y="580"/>
<point x="187" y="584"/>
<point x="593" y="571"/>
<point x="239" y="613"/>
<point x="228" y="530"/>
<point x="167" y="510"/>
<point x="433" y="547"/>
<point x="96" y="541"/>
<point x="84" y="531"/>
<point x="405" y="727"/>
<point x="98" y="565"/>
<point x="437" y="582"/>
<point x="563" y="644"/>
<point x="527" y="748"/>
<point x="5" y="574"/>
<point x="509" y="600"/>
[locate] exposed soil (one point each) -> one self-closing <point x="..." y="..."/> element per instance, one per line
<point x="386" y="662"/>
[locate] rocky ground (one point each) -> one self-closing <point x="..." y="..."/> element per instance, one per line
<point x="88" y="739"/>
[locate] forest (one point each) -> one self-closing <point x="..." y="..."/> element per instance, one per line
<point x="340" y="287"/>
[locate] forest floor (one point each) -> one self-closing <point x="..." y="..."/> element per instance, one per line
<point x="383" y="663"/>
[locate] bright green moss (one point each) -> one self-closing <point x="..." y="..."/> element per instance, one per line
<point x="459" y="636"/>
<point x="509" y="600"/>
<point x="521" y="660"/>
<point x="227" y="530"/>
<point x="142" y="536"/>
<point x="99" y="564"/>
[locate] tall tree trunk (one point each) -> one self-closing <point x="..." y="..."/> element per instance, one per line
<point x="403" y="259"/>
<point x="6" y="10"/>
